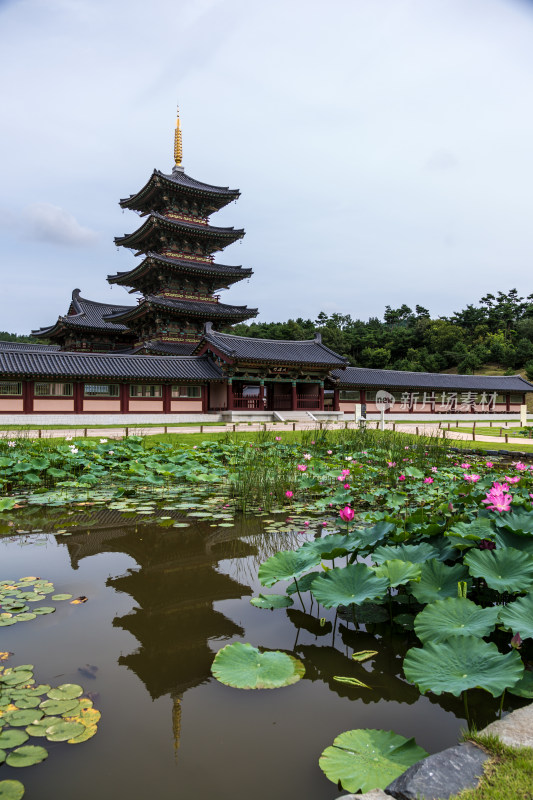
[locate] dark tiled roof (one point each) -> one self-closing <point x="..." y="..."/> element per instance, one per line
<point x="392" y="379"/>
<point x="196" y="308"/>
<point x="180" y="181"/>
<point x="311" y="351"/>
<point x="87" y="366"/>
<point x="30" y="347"/>
<point x="224" y="271"/>
<point x="166" y="348"/>
<point x="85" y="313"/>
<point x="190" y="229"/>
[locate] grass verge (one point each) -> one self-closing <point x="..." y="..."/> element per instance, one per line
<point x="508" y="774"/>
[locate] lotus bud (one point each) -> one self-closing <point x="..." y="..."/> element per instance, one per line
<point x="516" y="641"/>
<point x="461" y="589"/>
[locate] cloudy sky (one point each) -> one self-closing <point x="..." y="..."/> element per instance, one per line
<point x="383" y="148"/>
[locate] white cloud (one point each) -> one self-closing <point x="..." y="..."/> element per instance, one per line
<point x="48" y="223"/>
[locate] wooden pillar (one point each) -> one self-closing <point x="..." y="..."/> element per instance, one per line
<point x="167" y="395"/>
<point x="124" y="398"/>
<point x="294" y="397"/>
<point x="229" y="402"/>
<point x="78" y="397"/>
<point x="336" y="400"/>
<point x="508" y="402"/>
<point x="27" y="397"/>
<point x="261" y="395"/>
<point x="321" y="396"/>
<point x="205" y="398"/>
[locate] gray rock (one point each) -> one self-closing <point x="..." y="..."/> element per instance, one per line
<point x="375" y="794"/>
<point x="441" y="775"/>
<point x="516" y="729"/>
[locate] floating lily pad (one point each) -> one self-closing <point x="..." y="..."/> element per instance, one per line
<point x="61" y="731"/>
<point x="245" y="667"/>
<point x="26" y="756"/>
<point x="17" y="677"/>
<point x="40" y="726"/>
<point x="56" y="707"/>
<point x="44" y="610"/>
<point x="67" y="691"/>
<point x="12" y="738"/>
<point x="272" y="601"/>
<point x="61" y="597"/>
<point x="28" y="701"/>
<point x="454" y="616"/>
<point x="11" y="790"/>
<point x="362" y="760"/>
<point x="23" y="717"/>
<point x="462" y="662"/>
<point x="87" y="733"/>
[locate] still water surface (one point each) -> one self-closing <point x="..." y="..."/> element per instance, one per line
<point x="161" y="603"/>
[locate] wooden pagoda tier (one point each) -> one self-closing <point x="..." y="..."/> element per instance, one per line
<point x="84" y="328"/>
<point x="179" y="273"/>
<point x="196" y="198"/>
<point x="175" y="236"/>
<point x="175" y="319"/>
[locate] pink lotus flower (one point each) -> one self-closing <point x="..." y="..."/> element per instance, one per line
<point x="428" y="480"/>
<point x="308" y="456"/>
<point x="531" y="495"/>
<point x="497" y="500"/>
<point x="347" y="514"/>
<point x="313" y="442"/>
<point x="302" y="467"/>
<point x="401" y="477"/>
<point x="330" y="452"/>
<point x="465" y="466"/>
<point x="471" y="478"/>
<point x="306" y="523"/>
<point x="278" y="438"/>
<point x="514" y="479"/>
<point x="346" y="486"/>
<point x="345" y="472"/>
<point x="520" y="466"/>
<point x="324" y="524"/>
<point x="289" y="494"/>
<point x="434" y="469"/>
<point x="391" y="463"/>
<point x="489" y="464"/>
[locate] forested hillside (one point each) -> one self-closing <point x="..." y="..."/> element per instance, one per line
<point x="498" y="330"/>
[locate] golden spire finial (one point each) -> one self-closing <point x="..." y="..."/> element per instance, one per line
<point x="178" y="153"/>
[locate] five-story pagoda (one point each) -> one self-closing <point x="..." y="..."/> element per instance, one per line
<point x="178" y="276"/>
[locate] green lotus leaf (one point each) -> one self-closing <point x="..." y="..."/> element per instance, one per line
<point x="364" y="759"/>
<point x="350" y="681"/>
<point x="462" y="662"/>
<point x="12" y="738"/>
<point x="332" y="546"/>
<point x="44" y="610"/>
<point x="22" y="717"/>
<point x="367" y="537"/>
<point x="454" y="616"/>
<point x="286" y="566"/>
<point x="2" y="756"/>
<point x="34" y="597"/>
<point x="53" y="707"/>
<point x="520" y="522"/>
<point x="506" y="538"/>
<point x="26" y="756"/>
<point x="304" y="583"/>
<point x="25" y="616"/>
<point x="272" y="601"/>
<point x="438" y="581"/>
<point x="245" y="667"/>
<point x="346" y="585"/>
<point x="518" y="616"/>
<point x="415" y="553"/>
<point x="88" y="733"/>
<point x="61" y="731"/>
<point x="398" y="572"/>
<point x="464" y="534"/>
<point x="524" y="687"/>
<point x="506" y="570"/>
<point x="61" y="597"/>
<point x="11" y="790"/>
<point x="67" y="691"/>
<point x="28" y="701"/>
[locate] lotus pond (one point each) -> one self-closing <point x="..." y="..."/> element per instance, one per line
<point x="379" y="585"/>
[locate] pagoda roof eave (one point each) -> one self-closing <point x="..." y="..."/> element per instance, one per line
<point x="189" y="229"/>
<point x="87" y="315"/>
<point x="187" y="308"/>
<point x="228" y="274"/>
<point x="179" y="183"/>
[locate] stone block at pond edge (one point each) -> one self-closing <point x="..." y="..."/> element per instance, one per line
<point x="441" y="775"/>
<point x="515" y="730"/>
